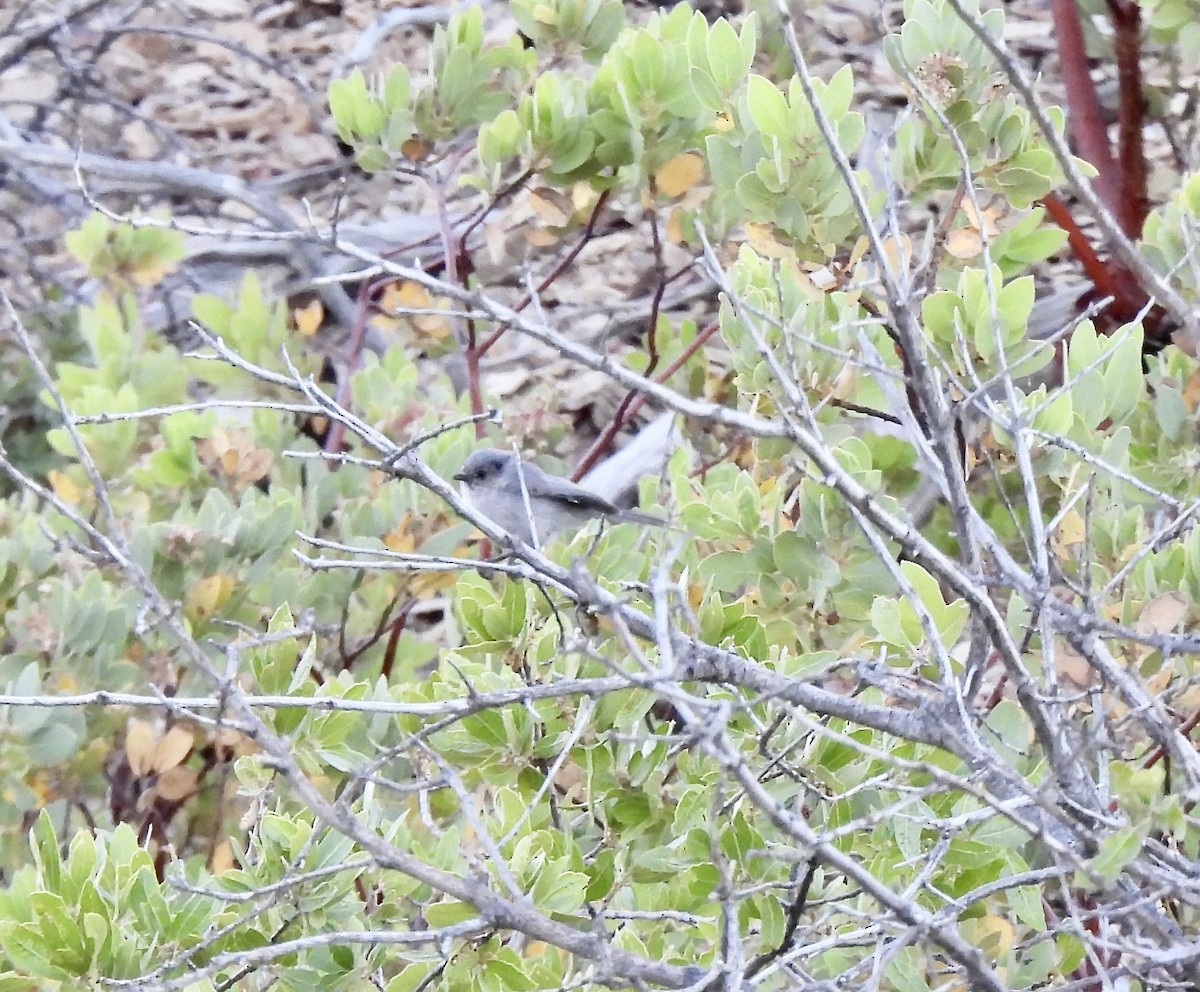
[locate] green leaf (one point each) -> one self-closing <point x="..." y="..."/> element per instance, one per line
<point x="938" y="315"/>
<point x="1057" y="415"/>
<point x="1083" y="349"/>
<point x="396" y="88"/>
<point x="726" y="59"/>
<point x="373" y="159"/>
<point x="1026" y="904"/>
<point x="727" y="571"/>
<point x="1136" y="786"/>
<point x="1116" y="851"/>
<point x="767" y="107"/>
<point x="906" y="970"/>
<point x="412" y="977"/>
<point x="44" y="844"/>
<point x="1124" y="381"/>
<point x="448" y="912"/>
<point x="894" y="623"/>
<point x="559" y="891"/>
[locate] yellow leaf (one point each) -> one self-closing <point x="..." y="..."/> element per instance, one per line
<point x="985" y="221"/>
<point x="64" y="487"/>
<point x="552" y="206"/>
<point x="255" y="465"/>
<point x="540" y="237"/>
<point x="1163" y="614"/>
<point x="410" y="295"/>
<point x="806" y="281"/>
<point x="176" y="784"/>
<point x="1157" y="682"/>
<point x="679" y="174"/>
<point x="175" y="745"/>
<point x="583" y="197"/>
<point x="150" y="273"/>
<point x="761" y="237"/>
<point x="207" y="596"/>
<point x="569" y="781"/>
<point x="233" y="743"/>
<point x="1191" y="391"/>
<point x="1070" y="531"/>
<point x="823" y="279"/>
<point x="967" y="241"/>
<point x="845" y="383"/>
<point x="674" y="228"/>
<point x="964" y="243"/>
<point x="434" y="325"/>
<point x="898" y="250"/>
<point x="495" y="242"/>
<point x="42" y="787"/>
<point x="140" y="739"/>
<point x="425" y="585"/>
<point x="1072" y="668"/>
<point x="308" y="319"/>
<point x="401" y="539"/>
<point x="222" y="859"/>
<point x="414" y="149"/>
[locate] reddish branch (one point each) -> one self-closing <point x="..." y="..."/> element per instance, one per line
<point x="1134" y="204"/>
<point x="1122" y="180"/>
<point x="1086" y="116"/>
<point x="1095" y="267"/>
<point x="558" y="270"/>
<point x="634" y="400"/>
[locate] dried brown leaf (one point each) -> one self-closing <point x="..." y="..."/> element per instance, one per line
<point x="176" y="784"/>
<point x="1162" y="614"/>
<point x="174" y="747"/>
<point x="141" y="739"/>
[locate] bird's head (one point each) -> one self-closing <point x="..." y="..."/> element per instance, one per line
<point x="484" y="467"/>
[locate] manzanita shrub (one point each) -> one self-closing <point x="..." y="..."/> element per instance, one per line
<point x="901" y="699"/>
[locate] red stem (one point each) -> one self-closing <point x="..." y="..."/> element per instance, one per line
<point x="558" y="270"/>
<point x="1093" y="265"/>
<point x="1127" y="44"/>
<point x="1085" y="117"/>
<point x="634" y="400"/>
<point x="358" y="334"/>
<point x="601" y="443"/>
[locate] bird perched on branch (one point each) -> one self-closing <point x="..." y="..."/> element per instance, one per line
<point x="524" y="500"/>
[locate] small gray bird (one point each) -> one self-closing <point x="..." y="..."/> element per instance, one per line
<point x="494" y="482"/>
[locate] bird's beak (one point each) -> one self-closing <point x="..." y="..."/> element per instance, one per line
<point x="460" y="476"/>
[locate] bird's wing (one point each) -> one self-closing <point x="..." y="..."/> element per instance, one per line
<point x="640" y="517"/>
<point x="541" y="484"/>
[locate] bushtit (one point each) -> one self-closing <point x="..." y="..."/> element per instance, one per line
<point x="498" y="482"/>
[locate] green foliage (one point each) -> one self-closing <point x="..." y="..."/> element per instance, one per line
<point x="1176" y="23"/>
<point x="390" y="119"/>
<point x="97" y="912"/>
<point x="983" y="324"/>
<point x="954" y="77"/>
<point x="768" y="163"/>
<point x="563" y="26"/>
<point x="1024" y="243"/>
<point x="1170" y="233"/>
<point x="125" y="255"/>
